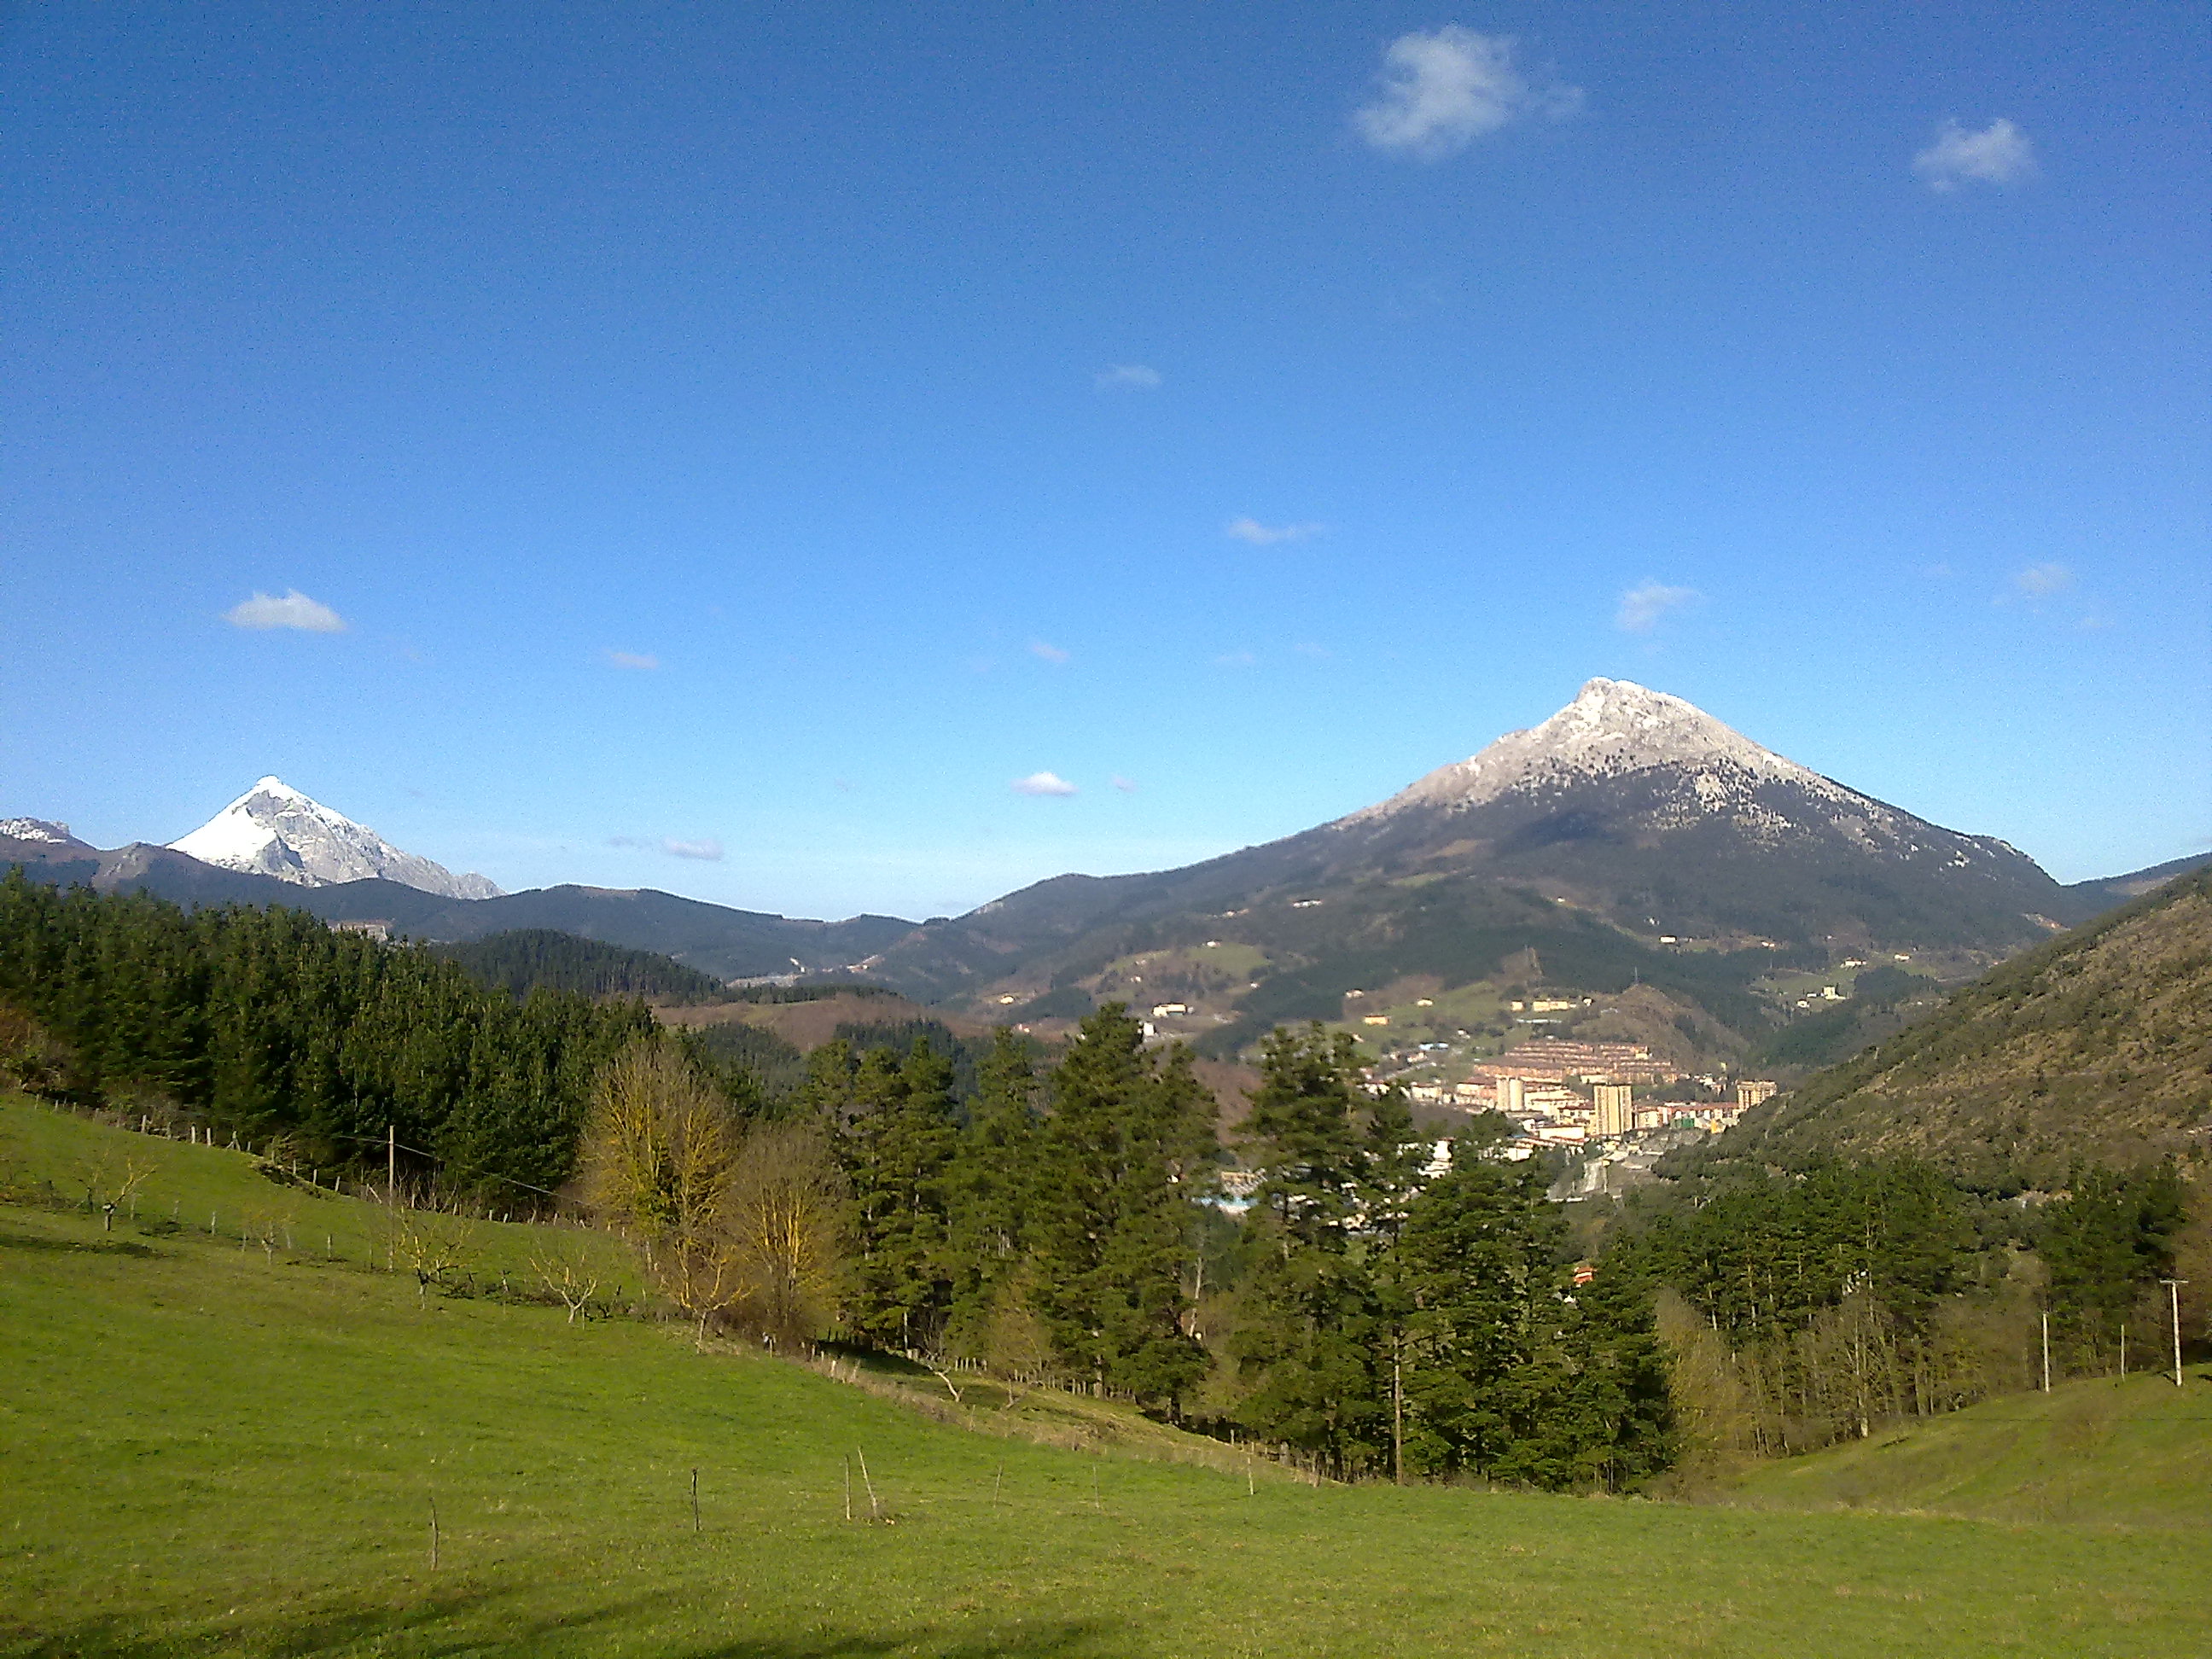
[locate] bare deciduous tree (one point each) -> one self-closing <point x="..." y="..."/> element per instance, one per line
<point x="568" y="1274"/>
<point x="782" y="1214"/>
<point x="432" y="1243"/>
<point x="109" y="1175"/>
<point x="659" y="1160"/>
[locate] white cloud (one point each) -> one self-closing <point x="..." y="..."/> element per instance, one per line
<point x="1263" y="535"/>
<point x="1049" y="653"/>
<point x="1042" y="783"/>
<point x="1999" y="155"/>
<point x="631" y="660"/>
<point x="2040" y="581"/>
<point x="1236" y="659"/>
<point x="1643" y="604"/>
<point x="1443" y="91"/>
<point x="1127" y="785"/>
<point x="705" y="847"/>
<point x="294" y="609"/>
<point x="1134" y="377"/>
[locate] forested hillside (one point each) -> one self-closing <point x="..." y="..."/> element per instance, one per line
<point x="265" y="1022"/>
<point x="2096" y="1047"/>
<point x="529" y="958"/>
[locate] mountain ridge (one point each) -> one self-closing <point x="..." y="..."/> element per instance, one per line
<point x="1630" y="833"/>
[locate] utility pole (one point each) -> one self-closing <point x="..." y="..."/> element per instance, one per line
<point x="1398" y="1411"/>
<point x="2173" y="1302"/>
<point x="2046" y="1350"/>
<point x="391" y="1161"/>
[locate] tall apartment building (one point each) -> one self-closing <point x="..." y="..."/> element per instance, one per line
<point x="1512" y="1094"/>
<point x="1750" y="1092"/>
<point x="1615" y="1108"/>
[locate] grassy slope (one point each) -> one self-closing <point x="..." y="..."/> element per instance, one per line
<point x="197" y="1189"/>
<point x="208" y="1452"/>
<point x="2137" y="1451"/>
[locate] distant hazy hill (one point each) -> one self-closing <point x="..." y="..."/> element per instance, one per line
<point x="2105" y="891"/>
<point x="712" y="939"/>
<point x="2097" y="1045"/>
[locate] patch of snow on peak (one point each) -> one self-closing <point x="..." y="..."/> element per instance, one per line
<point x="38" y="829"/>
<point x="273" y="830"/>
<point x="1613" y="729"/>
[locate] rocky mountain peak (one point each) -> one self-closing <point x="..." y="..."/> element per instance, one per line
<point x="44" y="830"/>
<point x="274" y="830"/>
<point x="1613" y="729"/>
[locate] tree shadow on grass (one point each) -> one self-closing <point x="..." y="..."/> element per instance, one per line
<point x="478" y="1622"/>
<point x="1048" y="1638"/>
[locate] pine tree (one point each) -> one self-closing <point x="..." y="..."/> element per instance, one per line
<point x="1314" y="1336"/>
<point x="896" y="1151"/>
<point x="990" y="1190"/>
<point x="1126" y="1151"/>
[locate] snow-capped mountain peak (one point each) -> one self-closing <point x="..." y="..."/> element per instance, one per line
<point x="1614" y="728"/>
<point x="38" y="829"/>
<point x="273" y="830"/>
<point x="1624" y="763"/>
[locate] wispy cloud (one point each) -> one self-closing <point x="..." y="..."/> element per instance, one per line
<point x="1265" y="535"/>
<point x="1129" y="377"/>
<point x="1308" y="648"/>
<point x="295" y="609"/>
<point x="1642" y="606"/>
<point x="2040" y="581"/>
<point x="1236" y="659"/>
<point x="1999" y="155"/>
<point x="631" y="660"/>
<point x="1442" y="91"/>
<point x="1049" y="653"/>
<point x="1127" y="785"/>
<point x="1042" y="783"/>
<point x="705" y="847"/>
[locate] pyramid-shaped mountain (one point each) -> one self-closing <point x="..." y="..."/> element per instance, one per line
<point x="1630" y="818"/>
<point x="1644" y="808"/>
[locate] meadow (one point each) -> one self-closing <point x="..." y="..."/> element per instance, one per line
<point x="217" y="1449"/>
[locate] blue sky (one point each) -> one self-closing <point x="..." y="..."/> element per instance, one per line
<point x="776" y="430"/>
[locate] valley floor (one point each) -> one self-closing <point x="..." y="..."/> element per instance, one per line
<point x="212" y="1450"/>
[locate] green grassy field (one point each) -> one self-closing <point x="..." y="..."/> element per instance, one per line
<point x="211" y="1451"/>
<point x="2135" y="1452"/>
<point x="223" y="1196"/>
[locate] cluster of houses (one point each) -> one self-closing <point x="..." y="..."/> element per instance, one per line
<point x="1579" y="1097"/>
<point x="1562" y="1093"/>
